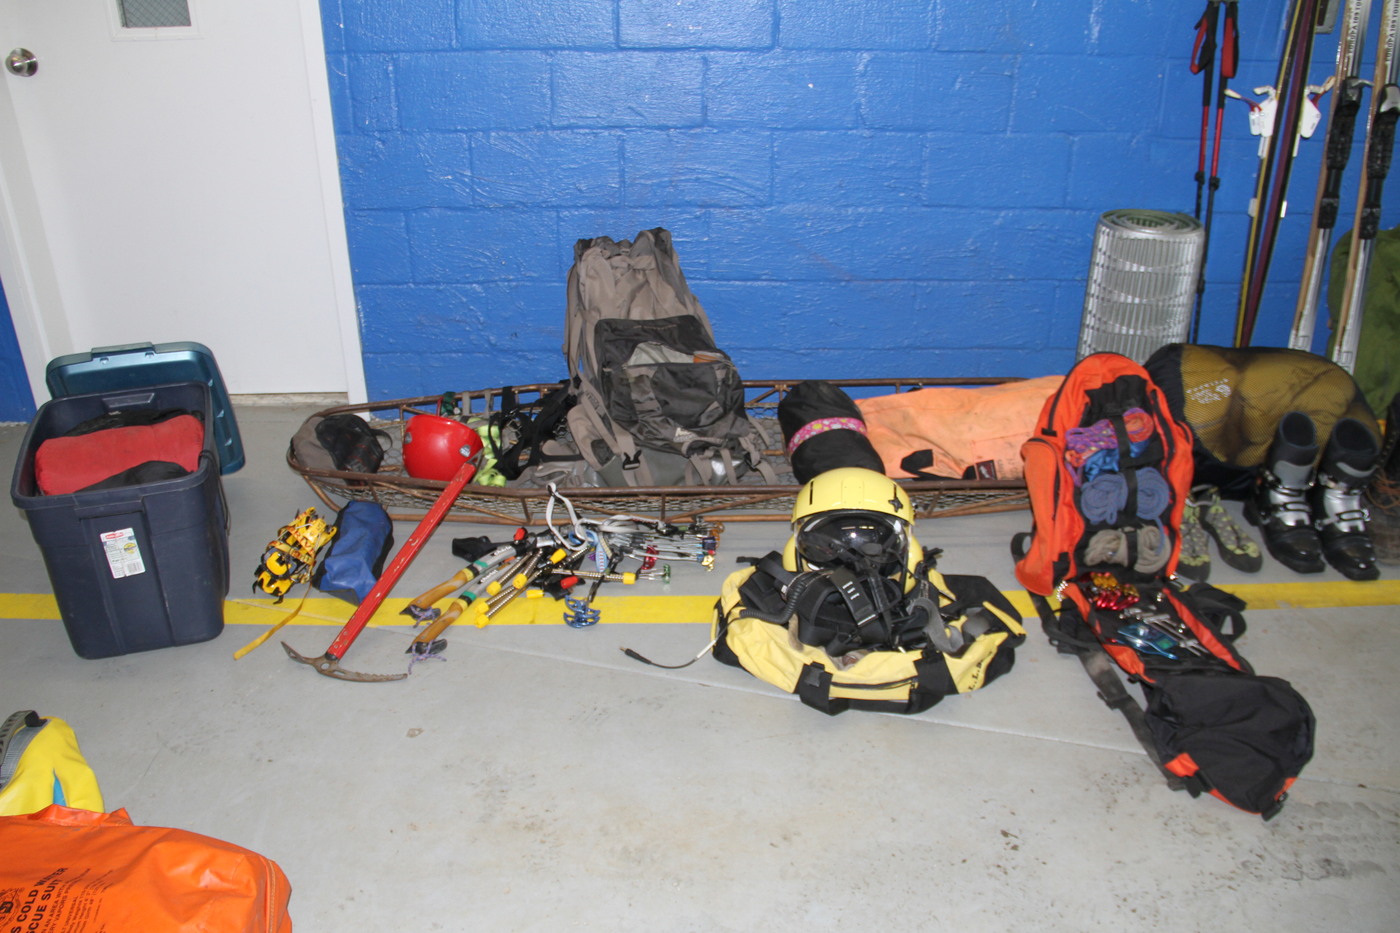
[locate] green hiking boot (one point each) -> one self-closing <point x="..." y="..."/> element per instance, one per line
<point x="1237" y="548"/>
<point x="1194" y="561"/>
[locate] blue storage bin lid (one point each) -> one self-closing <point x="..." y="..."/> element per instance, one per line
<point x="136" y="365"/>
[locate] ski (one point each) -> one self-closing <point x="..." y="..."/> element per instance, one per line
<point x="1202" y="61"/>
<point x="1272" y="184"/>
<point x="1380" y="144"/>
<point x="1341" y="125"/>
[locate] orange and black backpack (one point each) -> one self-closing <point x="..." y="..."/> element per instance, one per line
<point x="1106" y="437"/>
<point x="1108" y="471"/>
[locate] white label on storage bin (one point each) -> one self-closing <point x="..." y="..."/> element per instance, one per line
<point x="123" y="556"/>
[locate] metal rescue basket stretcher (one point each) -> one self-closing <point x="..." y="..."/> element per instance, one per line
<point x="407" y="498"/>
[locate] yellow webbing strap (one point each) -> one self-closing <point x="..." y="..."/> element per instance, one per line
<point x="272" y="631"/>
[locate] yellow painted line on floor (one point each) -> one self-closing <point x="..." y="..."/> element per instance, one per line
<point x="334" y="612"/>
<point x="651" y="609"/>
<point x="28" y="606"/>
<point x="1323" y="594"/>
<point x="616" y="610"/>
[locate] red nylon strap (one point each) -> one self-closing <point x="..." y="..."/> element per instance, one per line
<point x="1203" y="52"/>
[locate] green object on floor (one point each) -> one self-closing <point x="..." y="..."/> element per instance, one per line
<point x="1194" y="561"/>
<point x="1237" y="548"/>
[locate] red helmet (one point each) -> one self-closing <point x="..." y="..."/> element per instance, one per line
<point x="435" y="447"/>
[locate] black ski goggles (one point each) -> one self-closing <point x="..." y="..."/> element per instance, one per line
<point x="862" y="541"/>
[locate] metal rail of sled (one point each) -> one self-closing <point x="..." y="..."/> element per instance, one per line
<point x="406" y="498"/>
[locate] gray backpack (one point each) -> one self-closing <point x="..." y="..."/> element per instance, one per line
<point x="658" y="404"/>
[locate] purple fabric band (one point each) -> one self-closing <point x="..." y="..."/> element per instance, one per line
<point x="821" y="425"/>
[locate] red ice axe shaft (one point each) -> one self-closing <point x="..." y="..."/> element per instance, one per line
<point x="329" y="663"/>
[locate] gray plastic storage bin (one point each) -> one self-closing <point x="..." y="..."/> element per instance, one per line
<point x="137" y="567"/>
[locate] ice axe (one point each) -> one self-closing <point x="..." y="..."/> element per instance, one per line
<point x="329" y="663"/>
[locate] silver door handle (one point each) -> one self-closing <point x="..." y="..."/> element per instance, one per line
<point x="21" y="62"/>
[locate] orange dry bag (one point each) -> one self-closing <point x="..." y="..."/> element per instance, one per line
<point x="76" y="870"/>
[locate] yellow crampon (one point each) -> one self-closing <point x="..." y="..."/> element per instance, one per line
<point x="289" y="559"/>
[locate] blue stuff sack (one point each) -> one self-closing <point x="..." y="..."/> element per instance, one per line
<point x="363" y="537"/>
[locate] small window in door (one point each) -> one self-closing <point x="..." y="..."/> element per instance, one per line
<point x="154" y="14"/>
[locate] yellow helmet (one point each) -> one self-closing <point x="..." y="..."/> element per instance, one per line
<point x="852" y="489"/>
<point x="855" y="517"/>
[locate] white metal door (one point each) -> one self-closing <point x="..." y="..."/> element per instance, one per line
<point x="176" y="184"/>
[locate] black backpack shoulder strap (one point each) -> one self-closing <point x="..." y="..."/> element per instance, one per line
<point x="530" y="431"/>
<point x="1104" y="673"/>
<point x="1220" y="607"/>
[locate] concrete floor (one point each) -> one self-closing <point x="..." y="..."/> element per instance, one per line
<point x="541" y="780"/>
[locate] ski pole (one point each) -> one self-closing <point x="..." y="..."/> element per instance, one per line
<point x="1203" y="62"/>
<point x="1229" y="63"/>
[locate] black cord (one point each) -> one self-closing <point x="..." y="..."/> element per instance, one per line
<point x="670" y="667"/>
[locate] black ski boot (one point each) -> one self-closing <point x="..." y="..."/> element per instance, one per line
<point x="1347" y="466"/>
<point x="1383" y="495"/>
<point x="1278" y="506"/>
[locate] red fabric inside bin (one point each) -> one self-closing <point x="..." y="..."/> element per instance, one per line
<point x="68" y="464"/>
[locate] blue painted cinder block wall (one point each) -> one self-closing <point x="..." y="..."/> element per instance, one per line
<point x="855" y="189"/>
<point x="16" y="399"/>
